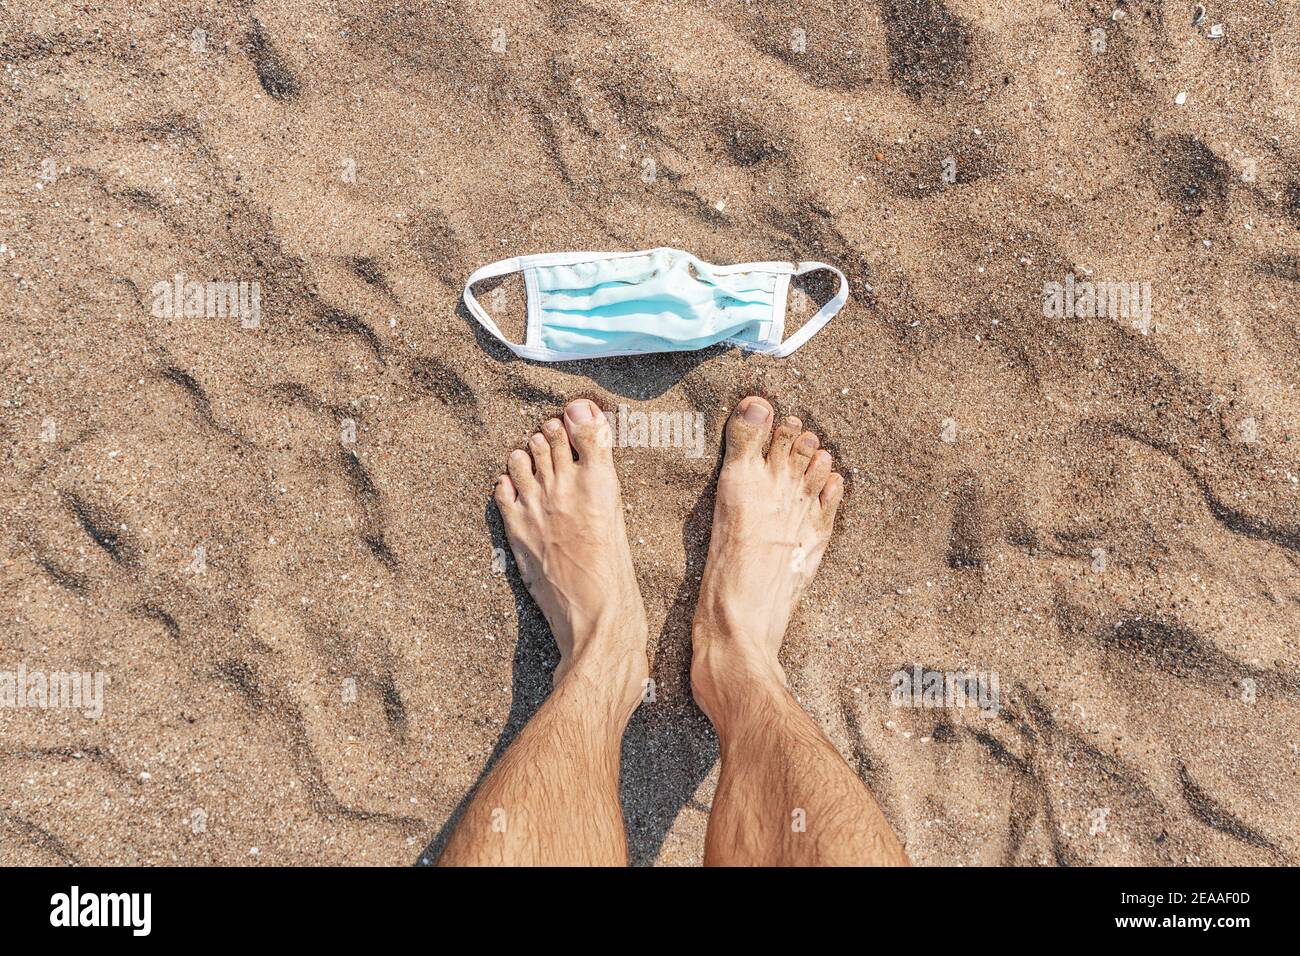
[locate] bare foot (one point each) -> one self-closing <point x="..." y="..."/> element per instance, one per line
<point x="564" y="520"/>
<point x="771" y="523"/>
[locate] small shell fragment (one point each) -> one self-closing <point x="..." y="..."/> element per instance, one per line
<point x="1215" y="32"/>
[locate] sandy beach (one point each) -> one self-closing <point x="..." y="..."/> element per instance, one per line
<point x="267" y="523"/>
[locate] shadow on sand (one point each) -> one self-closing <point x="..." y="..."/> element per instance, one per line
<point x="634" y="377"/>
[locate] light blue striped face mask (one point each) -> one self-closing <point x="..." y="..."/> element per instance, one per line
<point x="585" y="305"/>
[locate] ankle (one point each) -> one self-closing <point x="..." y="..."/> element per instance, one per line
<point x="610" y="668"/>
<point x="732" y="680"/>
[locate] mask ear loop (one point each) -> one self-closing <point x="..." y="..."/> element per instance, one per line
<point x="824" y="315"/>
<point x="491" y="271"/>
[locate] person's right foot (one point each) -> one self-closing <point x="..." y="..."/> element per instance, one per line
<point x="771" y="523"/>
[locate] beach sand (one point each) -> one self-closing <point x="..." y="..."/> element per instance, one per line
<point x="277" y="542"/>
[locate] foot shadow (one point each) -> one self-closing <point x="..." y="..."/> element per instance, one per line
<point x="534" y="665"/>
<point x="670" y="746"/>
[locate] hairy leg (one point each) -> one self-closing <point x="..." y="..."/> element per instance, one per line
<point x="786" y="796"/>
<point x="553" y="797"/>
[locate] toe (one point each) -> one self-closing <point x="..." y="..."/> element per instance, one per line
<point x="589" y="432"/>
<point x="782" y="439"/>
<point x="504" y="494"/>
<point x="561" y="450"/>
<point x="541" y="451"/>
<point x="802" y="452"/>
<point x="819" y="469"/>
<point x="521" y="472"/>
<point x="747" y="429"/>
<point x="831" y="496"/>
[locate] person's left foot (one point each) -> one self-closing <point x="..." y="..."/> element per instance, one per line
<point x="564" y="521"/>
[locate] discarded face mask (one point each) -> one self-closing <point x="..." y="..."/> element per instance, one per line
<point x="584" y="305"/>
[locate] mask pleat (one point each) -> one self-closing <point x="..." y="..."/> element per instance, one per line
<point x="664" y="301"/>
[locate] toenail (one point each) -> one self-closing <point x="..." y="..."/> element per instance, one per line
<point x="538" y="439"/>
<point x="579" y="412"/>
<point x="808" y="443"/>
<point x="756" y="412"/>
<point x="518" y="454"/>
<point x="793" y="422"/>
<point x="552" y="426"/>
<point x="823" y="458"/>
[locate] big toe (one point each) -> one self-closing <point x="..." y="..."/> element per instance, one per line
<point x="589" y="432"/>
<point x="747" y="428"/>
